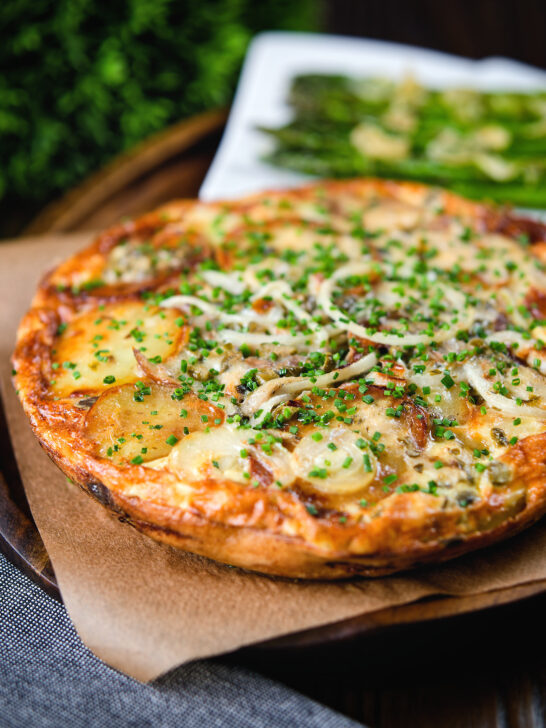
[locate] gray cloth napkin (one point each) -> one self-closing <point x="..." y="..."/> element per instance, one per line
<point x="49" y="678"/>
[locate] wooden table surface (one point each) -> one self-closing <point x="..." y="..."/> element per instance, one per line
<point x="471" y="676"/>
<point x="457" y="673"/>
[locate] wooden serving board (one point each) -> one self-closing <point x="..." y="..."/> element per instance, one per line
<point x="170" y="165"/>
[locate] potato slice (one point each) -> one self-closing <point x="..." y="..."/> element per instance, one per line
<point x="337" y="463"/>
<point x="99" y="344"/>
<point x="230" y="454"/>
<point x="125" y="430"/>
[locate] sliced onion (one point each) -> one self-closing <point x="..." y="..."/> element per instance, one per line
<point x="451" y="404"/>
<point x="217" y="455"/>
<point x="509" y="297"/>
<point x="525" y="347"/>
<point x="344" y="468"/>
<point x="238" y="338"/>
<point x="156" y="372"/>
<point x="181" y="301"/>
<point x="274" y="389"/>
<point x="269" y="406"/>
<point x="540" y="356"/>
<point x="427" y="379"/>
<point x="477" y="380"/>
<point x="243" y="318"/>
<point x="228" y="281"/>
<point x="281" y="292"/>
<point x="361" y="366"/>
<point x="290" y="386"/>
<point x="324" y="298"/>
<point x="510" y="337"/>
<point x="279" y="267"/>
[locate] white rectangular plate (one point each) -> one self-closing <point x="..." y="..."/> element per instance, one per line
<point x="275" y="58"/>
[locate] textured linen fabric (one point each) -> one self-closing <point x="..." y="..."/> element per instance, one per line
<point x="49" y="678"/>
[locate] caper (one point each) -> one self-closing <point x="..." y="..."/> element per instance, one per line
<point x="465" y="498"/>
<point x="498" y="435"/>
<point x="499" y="473"/>
<point x="86" y="403"/>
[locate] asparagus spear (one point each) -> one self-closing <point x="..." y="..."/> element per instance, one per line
<point x="327" y="109"/>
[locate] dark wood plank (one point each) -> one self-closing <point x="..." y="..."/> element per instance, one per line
<point x="473" y="670"/>
<point x="19" y="538"/>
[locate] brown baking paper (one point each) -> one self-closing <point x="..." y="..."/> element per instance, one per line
<point x="143" y="607"/>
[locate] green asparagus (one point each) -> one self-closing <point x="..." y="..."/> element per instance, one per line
<point x="484" y="145"/>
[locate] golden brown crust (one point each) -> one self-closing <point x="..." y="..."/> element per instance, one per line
<point x="248" y="526"/>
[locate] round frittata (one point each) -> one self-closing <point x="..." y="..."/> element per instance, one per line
<point x="342" y="379"/>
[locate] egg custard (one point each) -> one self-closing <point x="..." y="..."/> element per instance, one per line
<point x="342" y="379"/>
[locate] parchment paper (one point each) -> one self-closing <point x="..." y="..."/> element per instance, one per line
<point x="143" y="607"/>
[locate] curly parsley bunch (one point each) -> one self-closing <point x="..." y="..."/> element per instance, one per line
<point x="81" y="80"/>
